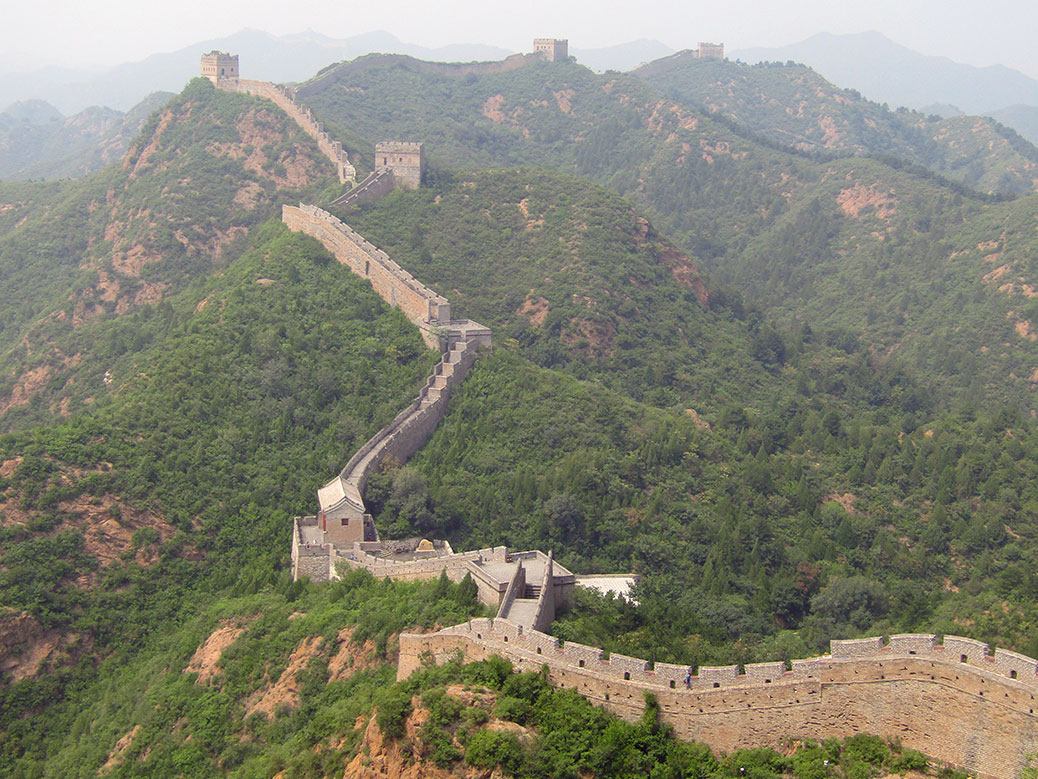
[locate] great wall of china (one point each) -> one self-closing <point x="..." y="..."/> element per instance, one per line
<point x="951" y="698"/>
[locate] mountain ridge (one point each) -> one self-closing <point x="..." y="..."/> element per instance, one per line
<point x="886" y="71"/>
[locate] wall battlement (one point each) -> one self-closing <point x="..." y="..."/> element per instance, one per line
<point x="400" y="289"/>
<point x="218" y="66"/>
<point x="977" y="714"/>
<point x="343" y="518"/>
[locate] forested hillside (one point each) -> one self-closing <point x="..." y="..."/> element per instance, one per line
<point x="794" y="395"/>
<point x="791" y="105"/>
<point x="37" y="142"/>
<point x="891" y="256"/>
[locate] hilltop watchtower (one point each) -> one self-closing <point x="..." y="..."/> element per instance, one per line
<point x="710" y="51"/>
<point x="218" y="66"/>
<point x="553" y="49"/>
<point x="405" y="160"/>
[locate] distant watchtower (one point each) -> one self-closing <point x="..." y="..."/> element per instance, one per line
<point x="553" y="49"/>
<point x="218" y="65"/>
<point x="405" y="160"/>
<point x="710" y="51"/>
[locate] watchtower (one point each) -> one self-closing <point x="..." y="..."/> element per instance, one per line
<point x="710" y="51"/>
<point x="553" y="49"/>
<point x="405" y="160"/>
<point x="218" y="66"/>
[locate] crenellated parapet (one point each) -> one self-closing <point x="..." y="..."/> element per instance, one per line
<point x="952" y="698"/>
<point x="424" y="307"/>
<point x="343" y="518"/>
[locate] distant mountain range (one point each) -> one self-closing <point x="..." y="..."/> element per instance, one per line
<point x="870" y="63"/>
<point x="264" y="56"/>
<point x="38" y="142"/>
<point x="887" y="72"/>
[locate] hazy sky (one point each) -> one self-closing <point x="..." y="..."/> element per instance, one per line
<point x="107" y="32"/>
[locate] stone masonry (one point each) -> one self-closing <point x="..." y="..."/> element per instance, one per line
<point x="552" y="49"/>
<point x="218" y="66"/>
<point x="343" y="518"/>
<point x="710" y="51"/>
<point x="398" y="165"/>
<point x="405" y="160"/>
<point x="953" y="700"/>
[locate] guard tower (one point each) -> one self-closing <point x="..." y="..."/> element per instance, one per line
<point x="553" y="49"/>
<point x="405" y="160"/>
<point x="710" y="51"/>
<point x="219" y="66"/>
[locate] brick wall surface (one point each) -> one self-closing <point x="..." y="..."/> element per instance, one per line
<point x="974" y="715"/>
<point x="394" y="284"/>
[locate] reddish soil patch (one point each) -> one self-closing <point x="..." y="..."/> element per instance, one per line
<point x="856" y="199"/>
<point x="599" y="336"/>
<point x="350" y="659"/>
<point x="831" y="135"/>
<point x="1023" y="329"/>
<point x="118" y="754"/>
<point x="106" y="523"/>
<point x="28" y="649"/>
<point x="153" y="146"/>
<point x="248" y="196"/>
<point x="130" y="263"/>
<point x="685" y="273"/>
<point x="997" y="273"/>
<point x="285" y="691"/>
<point x="564" y="97"/>
<point x="7" y="467"/>
<point x="380" y="759"/>
<point x="28" y="386"/>
<point x="701" y="423"/>
<point x="492" y="109"/>
<point x="206" y="658"/>
<point x="535" y="308"/>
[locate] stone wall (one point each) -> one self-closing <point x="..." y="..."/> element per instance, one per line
<point x="219" y="65"/>
<point x="977" y="714"/>
<point x="310" y="560"/>
<point x="552" y="49"/>
<point x="415" y="425"/>
<point x="455" y="565"/>
<point x="377" y="184"/>
<point x="394" y="284"/>
<point x="546" y="604"/>
<point x="405" y="159"/>
<point x="302" y="116"/>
